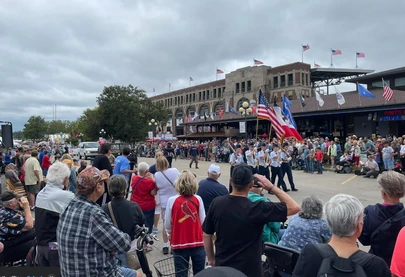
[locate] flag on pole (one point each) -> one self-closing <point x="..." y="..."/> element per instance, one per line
<point x="232" y="110"/>
<point x="170" y="85"/>
<point x="191" y="79"/>
<point x="154" y="90"/>
<point x="257" y="62"/>
<point x="340" y="99"/>
<point x="303" y="103"/>
<point x="360" y="55"/>
<point x="219" y="71"/>
<point x="265" y="112"/>
<point x="336" y="52"/>
<point x="388" y="93"/>
<point x="319" y="99"/>
<point x="289" y="129"/>
<point x="253" y="109"/>
<point x="189" y="117"/>
<point x="226" y="107"/>
<point x="316" y="65"/>
<point x="221" y="112"/>
<point x="286" y="110"/>
<point x="305" y="47"/>
<point x="195" y="116"/>
<point x="212" y="115"/>
<point x="364" y="92"/>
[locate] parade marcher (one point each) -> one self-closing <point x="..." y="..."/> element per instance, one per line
<point x="194" y="155"/>
<point x="286" y="167"/>
<point x="250" y="155"/>
<point x="235" y="159"/>
<point x="276" y="168"/>
<point x="262" y="156"/>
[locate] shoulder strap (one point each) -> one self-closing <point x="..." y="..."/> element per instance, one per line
<point x="396" y="217"/>
<point x="195" y="205"/>
<point x="133" y="188"/>
<point x="325" y="250"/>
<point x="112" y="214"/>
<point x="362" y="257"/>
<point x="167" y="178"/>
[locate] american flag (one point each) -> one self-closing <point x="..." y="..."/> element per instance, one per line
<point x="305" y="47"/>
<point x="257" y="62"/>
<point x="170" y="85"/>
<point x="191" y="79"/>
<point x="388" y="93"/>
<point x="265" y="112"/>
<point x="219" y="71"/>
<point x="336" y="52"/>
<point x="317" y="65"/>
<point x="154" y="90"/>
<point x="360" y="55"/>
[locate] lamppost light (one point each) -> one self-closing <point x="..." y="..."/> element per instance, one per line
<point x="150" y="124"/>
<point x="152" y="120"/>
<point x="241" y="110"/>
<point x="156" y="124"/>
<point x="245" y="105"/>
<point x="249" y="110"/>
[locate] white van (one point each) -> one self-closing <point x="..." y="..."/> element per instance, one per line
<point x="87" y="150"/>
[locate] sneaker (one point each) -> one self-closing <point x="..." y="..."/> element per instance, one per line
<point x="155" y="230"/>
<point x="287" y="190"/>
<point x="165" y="250"/>
<point x="197" y="168"/>
<point x="294" y="190"/>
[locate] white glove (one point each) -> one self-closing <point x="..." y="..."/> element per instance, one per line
<point x="267" y="151"/>
<point x="289" y="158"/>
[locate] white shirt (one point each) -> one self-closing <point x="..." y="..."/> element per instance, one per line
<point x="262" y="162"/>
<point x="237" y="160"/>
<point x="166" y="189"/>
<point x="372" y="164"/>
<point x="275" y="162"/>
<point x="250" y="160"/>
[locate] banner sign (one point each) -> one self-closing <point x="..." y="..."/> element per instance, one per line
<point x="242" y="127"/>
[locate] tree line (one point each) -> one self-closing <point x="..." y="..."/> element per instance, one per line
<point x="123" y="112"/>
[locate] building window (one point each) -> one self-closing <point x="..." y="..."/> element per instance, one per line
<point x="193" y="97"/>
<point x="199" y="96"/>
<point x="187" y="98"/>
<point x="219" y="92"/>
<point x="399" y="82"/>
<point x="204" y="95"/>
<point x="237" y="88"/>
<point x="275" y="82"/>
<point x="282" y="81"/>
<point x="175" y="101"/>
<point x="243" y="86"/>
<point x="290" y="79"/>
<point x="171" y="101"/>
<point x="306" y="79"/>
<point x="214" y="93"/>
<point x="182" y="99"/>
<point x="208" y="94"/>
<point x="290" y="97"/>
<point x="249" y="85"/>
<point x="302" y="78"/>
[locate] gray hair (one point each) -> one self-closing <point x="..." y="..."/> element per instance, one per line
<point x="392" y="183"/>
<point x="343" y="213"/>
<point x="117" y="185"/>
<point x="143" y="167"/>
<point x="311" y="208"/>
<point x="57" y="173"/>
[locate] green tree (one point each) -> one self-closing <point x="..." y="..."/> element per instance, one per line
<point x="35" y="128"/>
<point x="124" y="112"/>
<point x="18" y="135"/>
<point x="58" y="126"/>
<point x="88" y="124"/>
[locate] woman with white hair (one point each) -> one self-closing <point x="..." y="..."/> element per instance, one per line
<point x="185" y="214"/>
<point x="143" y="192"/>
<point x="306" y="227"/>
<point x="344" y="214"/>
<point x="382" y="222"/>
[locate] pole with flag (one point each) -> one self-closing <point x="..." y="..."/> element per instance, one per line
<point x="340" y="98"/>
<point x="170" y="86"/>
<point x="316" y="65"/>
<point x="364" y="92"/>
<point x="154" y="92"/>
<point x="219" y="71"/>
<point x="334" y="53"/>
<point x="304" y="48"/>
<point x="387" y="92"/>
<point x="358" y="56"/>
<point x="191" y="80"/>
<point x="319" y="99"/>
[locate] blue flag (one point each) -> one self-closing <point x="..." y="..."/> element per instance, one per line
<point x="286" y="110"/>
<point x="232" y="110"/>
<point x="364" y="92"/>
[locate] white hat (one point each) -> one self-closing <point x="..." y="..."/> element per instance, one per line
<point x="214" y="169"/>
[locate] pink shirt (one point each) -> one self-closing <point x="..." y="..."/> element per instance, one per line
<point x="398" y="257"/>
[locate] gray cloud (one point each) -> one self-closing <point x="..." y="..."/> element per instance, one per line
<point x="64" y="52"/>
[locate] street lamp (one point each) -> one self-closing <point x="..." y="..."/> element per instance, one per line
<point x="245" y="109"/>
<point x="102" y="133"/>
<point x="153" y="123"/>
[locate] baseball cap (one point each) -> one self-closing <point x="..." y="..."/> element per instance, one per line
<point x="242" y="175"/>
<point x="220" y="271"/>
<point x="262" y="144"/>
<point x="7" y="195"/>
<point x="251" y="144"/>
<point x="90" y="177"/>
<point x="214" y="169"/>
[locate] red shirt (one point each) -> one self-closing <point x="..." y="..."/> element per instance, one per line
<point x="46" y="161"/>
<point x="141" y="192"/>
<point x="319" y="155"/>
<point x="398" y="257"/>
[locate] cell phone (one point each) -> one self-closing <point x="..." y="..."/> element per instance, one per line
<point x="53" y="246"/>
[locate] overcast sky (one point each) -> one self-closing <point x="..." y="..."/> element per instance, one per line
<point x="64" y="52"/>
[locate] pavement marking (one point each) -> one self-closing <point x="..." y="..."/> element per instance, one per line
<point x="348" y="180"/>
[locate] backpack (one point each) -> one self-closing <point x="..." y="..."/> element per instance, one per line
<point x="334" y="266"/>
<point x="386" y="234"/>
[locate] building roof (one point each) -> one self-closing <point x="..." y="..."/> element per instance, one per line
<point x="322" y="74"/>
<point x="378" y="75"/>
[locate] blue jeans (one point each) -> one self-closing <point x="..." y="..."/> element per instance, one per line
<point x="149" y="218"/>
<point x="320" y="169"/>
<point x="311" y="166"/>
<point x="127" y="272"/>
<point x="389" y="163"/>
<point x="197" y="255"/>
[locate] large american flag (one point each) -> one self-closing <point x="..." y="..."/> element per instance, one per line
<point x="257" y="62"/>
<point x="388" y="93"/>
<point x="360" y="55"/>
<point x="265" y="112"/>
<point x="219" y="71"/>
<point x="336" y="52"/>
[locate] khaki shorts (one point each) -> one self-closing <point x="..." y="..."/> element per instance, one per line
<point x="32" y="188"/>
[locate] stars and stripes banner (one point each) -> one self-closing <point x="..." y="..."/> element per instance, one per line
<point x="316" y="65"/>
<point x="191" y="79"/>
<point x="336" y="52"/>
<point x="387" y="91"/>
<point x="265" y="112"/>
<point x="305" y="47"/>
<point x="219" y="71"/>
<point x="360" y="55"/>
<point x="257" y="62"/>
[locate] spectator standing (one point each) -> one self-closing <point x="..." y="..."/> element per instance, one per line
<point x="332" y="153"/>
<point x="46" y="163"/>
<point x="210" y="188"/>
<point x="33" y="177"/>
<point x="388" y="156"/>
<point x="238" y="223"/>
<point x="87" y="229"/>
<point x="122" y="166"/>
<point x="184" y="216"/>
<point x="102" y="162"/>
<point x="319" y="156"/>
<point x="51" y="202"/>
<point x="67" y="159"/>
<point x="165" y="178"/>
<point x="168" y="152"/>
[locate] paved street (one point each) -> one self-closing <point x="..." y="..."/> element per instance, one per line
<point x="324" y="186"/>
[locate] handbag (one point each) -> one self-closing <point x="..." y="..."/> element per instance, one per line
<point x="132" y="257"/>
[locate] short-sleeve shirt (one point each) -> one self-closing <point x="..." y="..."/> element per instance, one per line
<point x="233" y="159"/>
<point x="387" y="152"/>
<point x="238" y="224"/>
<point x="260" y="155"/>
<point x="11" y="223"/>
<point x="30" y="166"/>
<point x="398" y="257"/>
<point x="250" y="160"/>
<point x="141" y="188"/>
<point x="121" y="164"/>
<point x="284" y="156"/>
<point x="275" y="161"/>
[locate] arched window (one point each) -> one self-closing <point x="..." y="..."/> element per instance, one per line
<point x="179" y="113"/>
<point x="191" y="111"/>
<point x="204" y="110"/>
<point x="240" y="103"/>
<point x="217" y="106"/>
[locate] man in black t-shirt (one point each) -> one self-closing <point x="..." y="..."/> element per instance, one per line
<point x="102" y="162"/>
<point x="238" y="223"/>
